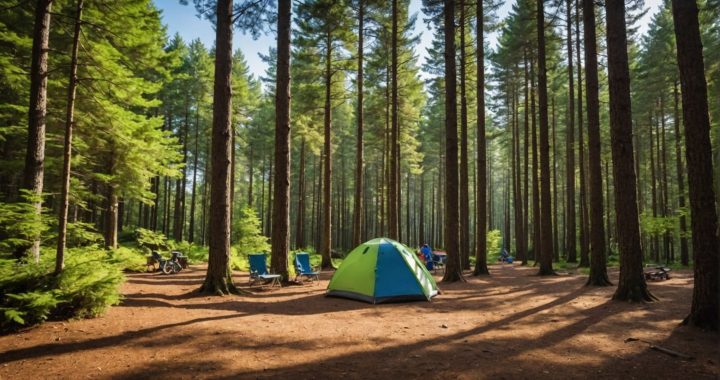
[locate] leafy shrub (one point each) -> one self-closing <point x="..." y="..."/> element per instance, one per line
<point x="154" y="241"/>
<point x="30" y="293"/>
<point x="128" y="259"/>
<point x="80" y="234"/>
<point x="19" y="223"/>
<point x="250" y="240"/>
<point x="195" y="253"/>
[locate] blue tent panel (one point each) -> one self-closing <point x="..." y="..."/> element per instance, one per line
<point x="392" y="277"/>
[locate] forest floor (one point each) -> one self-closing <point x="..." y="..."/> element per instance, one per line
<point x="510" y="325"/>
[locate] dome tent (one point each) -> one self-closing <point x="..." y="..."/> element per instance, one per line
<point x="382" y="270"/>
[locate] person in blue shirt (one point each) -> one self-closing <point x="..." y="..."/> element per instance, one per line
<point x="427" y="252"/>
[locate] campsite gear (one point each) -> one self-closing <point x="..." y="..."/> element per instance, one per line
<point x="439" y="259"/>
<point x="505" y="257"/>
<point x="153" y="259"/>
<point x="382" y="270"/>
<point x="655" y="272"/>
<point x="259" y="271"/>
<point x="427" y="257"/>
<point x="174" y="265"/>
<point x="303" y="268"/>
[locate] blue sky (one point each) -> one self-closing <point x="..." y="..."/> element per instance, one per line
<point x="183" y="19"/>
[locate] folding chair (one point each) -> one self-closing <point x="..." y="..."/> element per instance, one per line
<point x="259" y="271"/>
<point x="303" y="268"/>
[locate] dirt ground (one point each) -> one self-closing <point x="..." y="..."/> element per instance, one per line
<point x="512" y="325"/>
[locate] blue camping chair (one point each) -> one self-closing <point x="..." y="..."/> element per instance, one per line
<point x="259" y="271"/>
<point x="303" y="268"/>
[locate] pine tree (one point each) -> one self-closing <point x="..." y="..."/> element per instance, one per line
<point x="705" y="310"/>
<point x="631" y="286"/>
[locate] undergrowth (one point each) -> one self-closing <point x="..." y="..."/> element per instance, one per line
<point x="31" y="294"/>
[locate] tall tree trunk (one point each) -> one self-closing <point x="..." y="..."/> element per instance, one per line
<point x="250" y="178"/>
<point x="664" y="184"/>
<point x="584" y="219"/>
<point x="525" y="192"/>
<point x="598" y="270"/>
<point x="655" y="254"/>
<point x="520" y="212"/>
<point x="35" y="154"/>
<point x="358" y="211"/>
<point x="556" y="243"/>
<point x="546" y="243"/>
<point x="203" y="218"/>
<point x="281" y="208"/>
<point x="453" y="271"/>
<point x="631" y="286"/>
<point x="393" y="199"/>
<point x="111" y="205"/>
<point x="191" y="232"/>
<point x="218" y="279"/>
<point x="464" y="174"/>
<point x="570" y="227"/>
<point x="705" y="310"/>
<point x="482" y="174"/>
<point x="327" y="217"/>
<point x="300" y="221"/>
<point x="537" y="215"/>
<point x="67" y="149"/>
<point x="684" y="257"/>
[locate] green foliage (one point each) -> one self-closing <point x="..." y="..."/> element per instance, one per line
<point x="80" y="234"/>
<point x="19" y="223"/>
<point x="195" y="253"/>
<point x="250" y="239"/>
<point x="658" y="225"/>
<point x="30" y="294"/>
<point x="494" y="241"/>
<point x="128" y="259"/>
<point x="151" y="240"/>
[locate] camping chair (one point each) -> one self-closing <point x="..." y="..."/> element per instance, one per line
<point x="303" y="268"/>
<point x="438" y="262"/>
<point x="258" y="271"/>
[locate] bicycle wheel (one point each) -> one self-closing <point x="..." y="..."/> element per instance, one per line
<point x="169" y="267"/>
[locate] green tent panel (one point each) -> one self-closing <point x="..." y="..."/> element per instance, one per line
<point x="382" y="270"/>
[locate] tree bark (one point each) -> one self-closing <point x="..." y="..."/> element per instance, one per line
<point x="358" y="211"/>
<point x="191" y="231"/>
<point x="705" y="310"/>
<point x="327" y="180"/>
<point x="631" y="286"/>
<point x="453" y="271"/>
<point x="684" y="256"/>
<point x="546" y="243"/>
<point x="584" y="226"/>
<point x="34" y="170"/>
<point x="464" y="174"/>
<point x="300" y="221"/>
<point x="482" y="177"/>
<point x="281" y="207"/>
<point x="570" y="227"/>
<point x="67" y="149"/>
<point x="598" y="271"/>
<point x="218" y="279"/>
<point x="537" y="215"/>
<point x="393" y="199"/>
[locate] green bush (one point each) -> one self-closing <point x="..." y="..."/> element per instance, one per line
<point x="80" y="234"/>
<point x="129" y="259"/>
<point x="250" y="239"/>
<point x="151" y="240"/>
<point x="20" y="224"/>
<point x="31" y="294"/>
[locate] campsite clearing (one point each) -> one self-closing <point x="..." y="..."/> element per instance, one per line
<point x="510" y="325"/>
